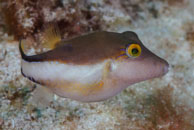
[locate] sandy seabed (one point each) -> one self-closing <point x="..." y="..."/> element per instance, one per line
<point x="165" y="103"/>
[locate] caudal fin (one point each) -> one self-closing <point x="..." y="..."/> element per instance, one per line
<point x="23" y="55"/>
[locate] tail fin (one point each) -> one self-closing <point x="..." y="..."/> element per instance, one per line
<point x="23" y="55"/>
<point x="32" y="58"/>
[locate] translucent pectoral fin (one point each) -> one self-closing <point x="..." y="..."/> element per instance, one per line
<point x="106" y="70"/>
<point x="41" y="97"/>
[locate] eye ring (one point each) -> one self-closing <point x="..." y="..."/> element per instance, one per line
<point x="133" y="50"/>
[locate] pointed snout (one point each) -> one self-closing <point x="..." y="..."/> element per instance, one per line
<point x="160" y="66"/>
<point x="148" y="66"/>
<point x="165" y="67"/>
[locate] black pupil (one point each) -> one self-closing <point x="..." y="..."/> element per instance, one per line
<point x="134" y="51"/>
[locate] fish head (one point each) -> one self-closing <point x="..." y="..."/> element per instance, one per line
<point x="136" y="63"/>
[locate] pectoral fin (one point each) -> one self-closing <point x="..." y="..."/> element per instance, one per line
<point x="106" y="70"/>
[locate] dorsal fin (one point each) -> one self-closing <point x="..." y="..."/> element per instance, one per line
<point x="51" y="36"/>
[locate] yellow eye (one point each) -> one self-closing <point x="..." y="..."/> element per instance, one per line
<point x="134" y="50"/>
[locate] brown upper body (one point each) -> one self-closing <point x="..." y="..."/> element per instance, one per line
<point x="89" y="49"/>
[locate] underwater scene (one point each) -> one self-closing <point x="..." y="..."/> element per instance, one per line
<point x="96" y="65"/>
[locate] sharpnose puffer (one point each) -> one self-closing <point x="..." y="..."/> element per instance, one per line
<point x="92" y="67"/>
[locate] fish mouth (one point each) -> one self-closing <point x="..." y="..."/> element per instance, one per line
<point x="159" y="67"/>
<point x="152" y="67"/>
<point x="166" y="67"/>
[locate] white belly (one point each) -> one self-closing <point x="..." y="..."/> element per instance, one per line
<point x="58" y="71"/>
<point x="85" y="83"/>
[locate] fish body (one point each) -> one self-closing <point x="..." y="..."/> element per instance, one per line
<point x="93" y="67"/>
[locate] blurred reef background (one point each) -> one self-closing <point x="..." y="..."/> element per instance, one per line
<point x="166" y="27"/>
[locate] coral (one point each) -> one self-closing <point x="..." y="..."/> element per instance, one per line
<point x="189" y="29"/>
<point x="175" y="2"/>
<point x="26" y="18"/>
<point x="23" y="18"/>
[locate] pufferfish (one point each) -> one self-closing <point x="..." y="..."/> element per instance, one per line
<point x="92" y="67"/>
